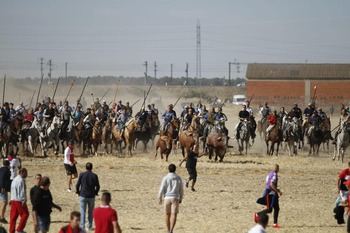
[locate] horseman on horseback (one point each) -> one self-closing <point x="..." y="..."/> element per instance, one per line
<point x="344" y="117"/>
<point x="48" y="115"/>
<point x="209" y="121"/>
<point x="142" y="118"/>
<point x="315" y="121"/>
<point x="243" y="115"/>
<point x="187" y="119"/>
<point x="89" y="122"/>
<point x="4" y="118"/>
<point x="265" y="112"/>
<point x="121" y="121"/>
<point x="272" y="120"/>
<point x="77" y="114"/>
<point x="168" y="116"/>
<point x="65" y="118"/>
<point x="221" y="118"/>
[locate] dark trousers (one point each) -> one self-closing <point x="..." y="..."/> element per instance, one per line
<point x="272" y="204"/>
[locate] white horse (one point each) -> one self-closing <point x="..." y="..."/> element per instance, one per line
<point x="291" y="133"/>
<point x="244" y="134"/>
<point x="31" y="136"/>
<point x="343" y="140"/>
<point x="51" y="138"/>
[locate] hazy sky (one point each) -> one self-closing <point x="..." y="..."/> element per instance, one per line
<point x="100" y="37"/>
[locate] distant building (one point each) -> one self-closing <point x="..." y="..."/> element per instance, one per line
<point x="296" y="83"/>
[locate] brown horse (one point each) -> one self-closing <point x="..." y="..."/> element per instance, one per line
<point x="262" y="126"/>
<point x="107" y="136"/>
<point x="155" y="125"/>
<point x="129" y="131"/>
<point x="276" y="137"/>
<point x="326" y="128"/>
<point x="78" y="132"/>
<point x="165" y="141"/>
<point x="216" y="141"/>
<point x="96" y="137"/>
<point x="189" y="137"/>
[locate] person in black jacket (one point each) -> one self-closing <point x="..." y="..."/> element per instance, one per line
<point x="191" y="164"/>
<point x="87" y="188"/>
<point x="5" y="187"/>
<point x="43" y="204"/>
<point x="36" y="187"/>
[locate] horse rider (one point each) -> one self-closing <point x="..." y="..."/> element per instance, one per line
<point x="209" y="120"/>
<point x="142" y="117"/>
<point x="20" y="108"/>
<point x="295" y="112"/>
<point x="78" y="104"/>
<point x="184" y="112"/>
<point x="168" y="116"/>
<point x="308" y="111"/>
<point x="155" y="110"/>
<point x="29" y="117"/>
<point x="65" y="118"/>
<point x="149" y="110"/>
<point x="204" y="111"/>
<point x="222" y="118"/>
<point x="89" y="122"/>
<point x="119" y="107"/>
<point x="242" y="115"/>
<point x="102" y="116"/>
<point x="322" y="114"/>
<point x="191" y="107"/>
<point x="122" y="119"/>
<point x="199" y="108"/>
<point x="96" y="105"/>
<point x="48" y="115"/>
<point x="4" y="117"/>
<point x="344" y="117"/>
<point x="272" y="120"/>
<point x="77" y="114"/>
<point x="187" y="120"/>
<point x="13" y="112"/>
<point x="265" y="112"/>
<point x="128" y="108"/>
<point x="252" y="119"/>
<point x="282" y="114"/>
<point x="105" y="106"/>
<point x="314" y="120"/>
<point x="39" y="115"/>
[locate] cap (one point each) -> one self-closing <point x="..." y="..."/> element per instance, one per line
<point x="347" y="182"/>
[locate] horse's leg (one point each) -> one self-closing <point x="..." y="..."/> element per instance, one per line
<point x="267" y="148"/>
<point x="277" y="149"/>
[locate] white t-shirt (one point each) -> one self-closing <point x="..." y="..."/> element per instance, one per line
<point x="67" y="154"/>
<point x="257" y="229"/>
<point x="14" y="164"/>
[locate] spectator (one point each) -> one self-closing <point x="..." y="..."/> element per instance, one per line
<point x="37" y="180"/>
<point x="262" y="224"/>
<point x="19" y="202"/>
<point x="106" y="218"/>
<point x="42" y="205"/>
<point x="73" y="226"/>
<point x="87" y="188"/>
<point x="191" y="164"/>
<point x="172" y="190"/>
<point x="15" y="164"/>
<point x="5" y="186"/>
<point x="70" y="164"/>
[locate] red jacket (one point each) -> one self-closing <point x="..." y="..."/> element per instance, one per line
<point x="68" y="229"/>
<point x="272" y="119"/>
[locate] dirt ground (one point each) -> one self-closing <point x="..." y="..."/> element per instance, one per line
<point x="226" y="192"/>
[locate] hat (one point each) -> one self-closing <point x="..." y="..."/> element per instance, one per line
<point x="347" y="182"/>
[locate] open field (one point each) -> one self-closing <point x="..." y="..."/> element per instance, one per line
<point x="226" y="192"/>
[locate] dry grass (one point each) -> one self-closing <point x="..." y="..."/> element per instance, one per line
<point x="226" y="192"/>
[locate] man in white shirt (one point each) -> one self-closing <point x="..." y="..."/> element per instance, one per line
<point x="172" y="190"/>
<point x="263" y="220"/>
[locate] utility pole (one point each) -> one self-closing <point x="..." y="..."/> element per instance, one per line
<point x="199" y="57"/>
<point x="50" y="70"/>
<point x="186" y="74"/>
<point x="171" y="74"/>
<point x="229" y="73"/>
<point x="155" y="70"/>
<point x="41" y="67"/>
<point x="146" y="65"/>
<point x="66" y="69"/>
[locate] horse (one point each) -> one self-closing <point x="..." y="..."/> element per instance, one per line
<point x="78" y="132"/>
<point x="155" y="126"/>
<point x="262" y="126"/>
<point x="117" y="138"/>
<point x="143" y="133"/>
<point x="10" y="137"/>
<point x="96" y="137"/>
<point x="291" y="134"/>
<point x="165" y="141"/>
<point x="129" y="131"/>
<point x="276" y="137"/>
<point x="30" y="136"/>
<point x="165" y="148"/>
<point x="244" y="137"/>
<point x="67" y="134"/>
<point x="51" y="138"/>
<point x="326" y="128"/>
<point x="343" y="140"/>
<point x="107" y="135"/>
<point x="189" y="137"/>
<point x="316" y="137"/>
<point x="216" y="140"/>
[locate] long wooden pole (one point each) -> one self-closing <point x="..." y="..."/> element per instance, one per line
<point x="41" y="82"/>
<point x="177" y="101"/>
<point x="104" y="94"/>
<point x="71" y="86"/>
<point x="31" y="100"/>
<point x="54" y="93"/>
<point x="3" y="91"/>
<point x="82" y="92"/>
<point x="145" y="97"/>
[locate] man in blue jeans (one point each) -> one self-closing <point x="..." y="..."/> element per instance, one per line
<point x="87" y="188"/>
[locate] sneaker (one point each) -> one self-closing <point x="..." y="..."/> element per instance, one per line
<point x="69" y="190"/>
<point x="186" y="184"/>
<point x="256" y="217"/>
<point x="193" y="190"/>
<point x="3" y="220"/>
<point x="275" y="225"/>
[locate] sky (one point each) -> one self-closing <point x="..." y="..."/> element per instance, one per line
<point x="116" y="37"/>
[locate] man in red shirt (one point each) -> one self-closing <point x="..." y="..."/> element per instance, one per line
<point x="343" y="191"/>
<point x="272" y="121"/>
<point x="106" y="218"/>
<point x="73" y="226"/>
